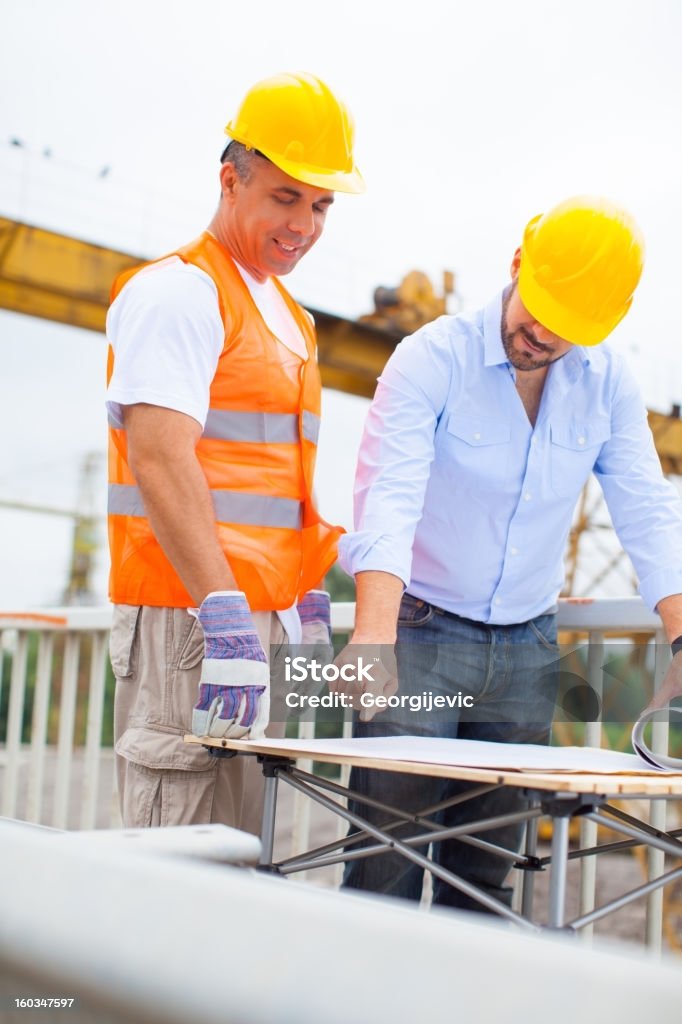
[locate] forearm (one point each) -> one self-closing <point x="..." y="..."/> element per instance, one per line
<point x="377" y="605"/>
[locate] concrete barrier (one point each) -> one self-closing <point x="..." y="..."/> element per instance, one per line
<point x="153" y="938"/>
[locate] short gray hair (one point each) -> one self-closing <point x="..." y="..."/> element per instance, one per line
<point x="242" y="158"/>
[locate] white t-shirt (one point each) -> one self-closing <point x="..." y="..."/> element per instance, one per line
<point x="276" y="313"/>
<point x="167" y="335"/>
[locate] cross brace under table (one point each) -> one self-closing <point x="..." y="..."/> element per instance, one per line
<point x="559" y="806"/>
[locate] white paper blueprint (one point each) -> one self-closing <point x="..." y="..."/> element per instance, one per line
<point x="475" y="754"/>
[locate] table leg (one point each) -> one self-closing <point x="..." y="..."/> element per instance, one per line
<point x="528" y="880"/>
<point x="269" y="812"/>
<point x="559" y="864"/>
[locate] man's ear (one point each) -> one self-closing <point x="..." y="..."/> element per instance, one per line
<point x="515" y="264"/>
<point x="228" y="179"/>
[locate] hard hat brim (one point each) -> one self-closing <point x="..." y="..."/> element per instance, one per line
<point x="335" y="181"/>
<point x="566" y="324"/>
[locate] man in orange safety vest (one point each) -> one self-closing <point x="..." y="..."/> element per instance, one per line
<point x="213" y="396"/>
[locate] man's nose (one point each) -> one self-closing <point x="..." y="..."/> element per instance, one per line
<point x="302" y="222"/>
<point x="542" y="335"/>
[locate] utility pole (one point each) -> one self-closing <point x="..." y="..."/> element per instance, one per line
<point x="85" y="541"/>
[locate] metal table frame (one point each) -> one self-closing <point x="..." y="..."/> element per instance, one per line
<point x="559" y="804"/>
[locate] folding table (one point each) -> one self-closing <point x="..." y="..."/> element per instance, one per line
<point x="561" y="795"/>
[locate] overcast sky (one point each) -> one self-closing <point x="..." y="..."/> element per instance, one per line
<point x="471" y="118"/>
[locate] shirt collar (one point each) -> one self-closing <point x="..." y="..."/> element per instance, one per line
<point x="494" y="354"/>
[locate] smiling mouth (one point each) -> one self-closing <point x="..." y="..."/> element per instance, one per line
<point x="289" y="249"/>
<point x="534" y="345"/>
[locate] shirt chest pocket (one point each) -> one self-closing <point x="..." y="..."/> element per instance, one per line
<point x="574" y="449"/>
<point x="477" y="450"/>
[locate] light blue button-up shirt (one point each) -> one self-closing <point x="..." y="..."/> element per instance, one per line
<point x="458" y="495"/>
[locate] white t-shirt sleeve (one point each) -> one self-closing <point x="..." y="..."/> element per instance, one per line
<point x="167" y="336"/>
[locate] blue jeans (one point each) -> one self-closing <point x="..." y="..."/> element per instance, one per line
<point x="511" y="673"/>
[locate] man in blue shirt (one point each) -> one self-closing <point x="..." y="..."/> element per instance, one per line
<point x="483" y="430"/>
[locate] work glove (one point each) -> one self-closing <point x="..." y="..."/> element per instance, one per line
<point x="234" y="697"/>
<point x="314" y="611"/>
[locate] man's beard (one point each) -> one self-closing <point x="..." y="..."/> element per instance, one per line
<point x="523" y="360"/>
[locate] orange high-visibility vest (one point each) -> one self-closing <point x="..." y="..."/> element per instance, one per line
<point x="257" y="451"/>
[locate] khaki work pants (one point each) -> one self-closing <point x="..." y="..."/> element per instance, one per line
<point x="156" y="655"/>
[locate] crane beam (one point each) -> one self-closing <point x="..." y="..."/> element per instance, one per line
<point x="68" y="280"/>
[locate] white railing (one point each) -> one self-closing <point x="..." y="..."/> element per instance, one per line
<point x="76" y="639"/>
<point x="63" y="757"/>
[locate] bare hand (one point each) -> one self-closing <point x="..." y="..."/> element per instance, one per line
<point x="367" y="671"/>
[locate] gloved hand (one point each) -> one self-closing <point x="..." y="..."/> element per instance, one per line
<point x="234" y="697"/>
<point x="314" y="610"/>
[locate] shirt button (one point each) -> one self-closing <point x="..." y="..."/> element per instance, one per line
<point x="581" y="440"/>
<point x="527" y="496"/>
<point x="514" y="551"/>
<point x="477" y="436"/>
<point x="533" y="440"/>
<point x="498" y="600"/>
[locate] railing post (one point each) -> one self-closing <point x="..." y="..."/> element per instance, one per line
<point x="67" y="716"/>
<point x="657" y="808"/>
<point x="41" y="703"/>
<point x="93" y="738"/>
<point x="593" y="737"/>
<point x="15" y="714"/>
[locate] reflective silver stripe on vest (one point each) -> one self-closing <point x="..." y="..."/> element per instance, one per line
<point x="311" y="426"/>
<point x="261" y="427"/>
<point x="257" y="510"/>
<point x="230" y="507"/>
<point x="125" y="500"/>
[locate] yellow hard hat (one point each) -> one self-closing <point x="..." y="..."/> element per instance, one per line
<point x="296" y="121"/>
<point x="580" y="264"/>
